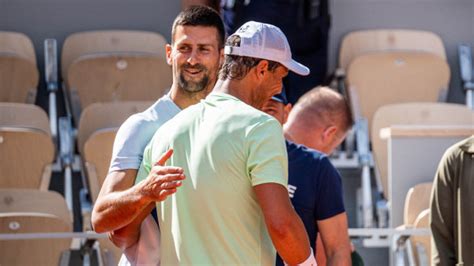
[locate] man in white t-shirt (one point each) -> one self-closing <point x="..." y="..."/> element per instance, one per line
<point x="195" y="55"/>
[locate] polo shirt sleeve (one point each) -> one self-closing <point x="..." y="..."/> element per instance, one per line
<point x="267" y="158"/>
<point x="330" y="198"/>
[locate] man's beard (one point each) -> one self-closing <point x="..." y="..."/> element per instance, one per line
<point x="193" y="86"/>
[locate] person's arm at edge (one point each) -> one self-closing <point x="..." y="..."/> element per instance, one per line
<point x="284" y="226"/>
<point x="335" y="238"/>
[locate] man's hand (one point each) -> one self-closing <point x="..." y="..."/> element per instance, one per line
<point x="121" y="203"/>
<point x="162" y="181"/>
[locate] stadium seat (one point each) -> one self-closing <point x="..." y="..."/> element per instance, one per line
<point x="26" y="147"/>
<point x="18" y="72"/>
<point x="366" y="41"/>
<point x="382" y="78"/>
<point x="422" y="244"/>
<point x="33" y="211"/>
<point x="112" y="66"/>
<point x="417" y="200"/>
<point x="96" y="133"/>
<point x="415" y="113"/>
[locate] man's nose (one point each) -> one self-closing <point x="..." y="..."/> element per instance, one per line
<point x="192" y="59"/>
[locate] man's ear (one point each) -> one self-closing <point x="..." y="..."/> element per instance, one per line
<point x="286" y="112"/>
<point x="168" y="49"/>
<point x="329" y="134"/>
<point x="261" y="69"/>
<point x="221" y="57"/>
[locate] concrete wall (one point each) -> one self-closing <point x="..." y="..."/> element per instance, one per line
<point x="453" y="20"/>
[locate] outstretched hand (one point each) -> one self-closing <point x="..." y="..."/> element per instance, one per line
<point x="163" y="181"/>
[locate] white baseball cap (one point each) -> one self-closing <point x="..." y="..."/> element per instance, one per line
<point x="265" y="41"/>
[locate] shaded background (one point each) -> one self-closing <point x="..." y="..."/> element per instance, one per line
<point x="453" y="20"/>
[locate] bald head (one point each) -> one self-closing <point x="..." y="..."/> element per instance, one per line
<point x="319" y="120"/>
<point x="322" y="107"/>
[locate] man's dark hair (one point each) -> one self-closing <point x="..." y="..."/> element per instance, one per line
<point x="200" y="16"/>
<point x="237" y="67"/>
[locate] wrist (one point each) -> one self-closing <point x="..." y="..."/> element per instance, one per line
<point x="141" y="193"/>
<point x="310" y="261"/>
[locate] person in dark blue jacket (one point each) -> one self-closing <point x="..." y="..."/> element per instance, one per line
<point x="314" y="128"/>
<point x="306" y="23"/>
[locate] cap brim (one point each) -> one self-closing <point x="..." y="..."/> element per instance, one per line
<point x="298" y="68"/>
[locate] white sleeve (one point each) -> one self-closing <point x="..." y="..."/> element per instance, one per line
<point x="130" y="141"/>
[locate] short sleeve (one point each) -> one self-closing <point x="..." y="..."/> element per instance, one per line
<point x="130" y="141"/>
<point x="267" y="158"/>
<point x="330" y="199"/>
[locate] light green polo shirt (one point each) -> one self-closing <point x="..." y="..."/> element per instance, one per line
<point x="225" y="148"/>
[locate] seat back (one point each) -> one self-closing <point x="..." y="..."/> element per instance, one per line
<point x="21" y="115"/>
<point x="29" y="211"/>
<point x="33" y="200"/>
<point x="97" y="156"/>
<point x="417" y="200"/>
<point x="114" y="78"/>
<point x="108" y="66"/>
<point x="112" y="41"/>
<point x="422" y="221"/>
<point x="378" y="79"/>
<point x="26" y="147"/>
<point x="18" y="72"/>
<point x="106" y="115"/>
<point x="360" y="42"/>
<point x="418" y="113"/>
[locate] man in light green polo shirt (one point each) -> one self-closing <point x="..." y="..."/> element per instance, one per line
<point x="233" y="206"/>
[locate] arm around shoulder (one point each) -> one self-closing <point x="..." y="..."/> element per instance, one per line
<point x="118" y="203"/>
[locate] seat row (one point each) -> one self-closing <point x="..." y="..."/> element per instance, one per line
<point x="105" y="76"/>
<point x="392" y="77"/>
<point x="96" y="66"/>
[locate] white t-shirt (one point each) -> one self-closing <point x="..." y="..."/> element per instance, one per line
<point x="136" y="132"/>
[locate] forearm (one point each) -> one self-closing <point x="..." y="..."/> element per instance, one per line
<point x="129" y="234"/>
<point x="340" y="257"/>
<point x="290" y="239"/>
<point x="284" y="226"/>
<point x="114" y="210"/>
<point x="335" y="239"/>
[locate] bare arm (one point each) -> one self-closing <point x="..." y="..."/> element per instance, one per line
<point x="335" y="238"/>
<point x="320" y="252"/>
<point x="285" y="227"/>
<point x="120" y="202"/>
<point x="129" y="234"/>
